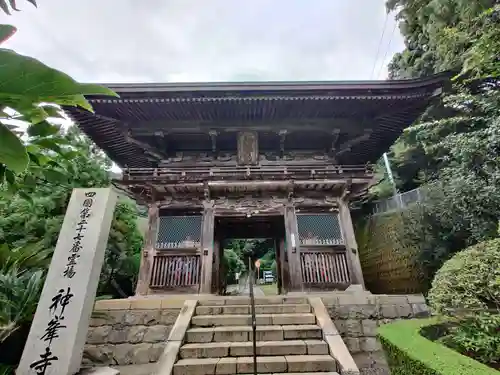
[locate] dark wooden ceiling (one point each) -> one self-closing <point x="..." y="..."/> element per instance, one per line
<point x="172" y="118"/>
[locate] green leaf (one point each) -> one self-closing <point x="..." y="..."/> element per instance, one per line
<point x="29" y="180"/>
<point x="13" y="5"/>
<point x="6" y="31"/>
<point x="42" y="129"/>
<point x="9" y="176"/>
<point x="12" y="151"/>
<point x="53" y="111"/>
<point x="26" y="77"/>
<point x="2" y="173"/>
<point x="55" y="176"/>
<point x="4" y="7"/>
<point x="48" y="144"/>
<point x="25" y="196"/>
<point x="75" y="101"/>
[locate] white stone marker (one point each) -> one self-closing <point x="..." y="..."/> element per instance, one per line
<point x="59" y="330"/>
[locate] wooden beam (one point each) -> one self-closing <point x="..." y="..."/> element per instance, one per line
<point x="158" y="155"/>
<point x="346" y="125"/>
<point x="293" y="252"/>
<point x="148" y="251"/>
<point x="207" y="247"/>
<point x="350" y="242"/>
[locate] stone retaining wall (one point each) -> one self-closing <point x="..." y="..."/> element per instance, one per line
<point x="124" y="332"/>
<point x="357" y="317"/>
<point x="134" y="331"/>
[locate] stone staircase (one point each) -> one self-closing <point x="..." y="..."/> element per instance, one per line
<point x="219" y="339"/>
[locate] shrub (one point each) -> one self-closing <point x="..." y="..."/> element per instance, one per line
<point x="476" y="336"/>
<point x="470" y="280"/>
<point x="409" y="353"/>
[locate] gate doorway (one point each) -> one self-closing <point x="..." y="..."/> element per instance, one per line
<point x="259" y="234"/>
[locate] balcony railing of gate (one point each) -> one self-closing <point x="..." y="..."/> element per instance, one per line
<point x="398" y="202"/>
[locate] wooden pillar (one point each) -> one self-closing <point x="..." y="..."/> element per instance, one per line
<point x="148" y="251"/>
<point x="207" y="247"/>
<point x="350" y="242"/>
<point x="293" y="253"/>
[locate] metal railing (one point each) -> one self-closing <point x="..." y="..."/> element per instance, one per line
<point x="398" y="202"/>
<point x="251" y="281"/>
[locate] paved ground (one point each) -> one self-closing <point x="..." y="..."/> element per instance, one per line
<point x="243" y="288"/>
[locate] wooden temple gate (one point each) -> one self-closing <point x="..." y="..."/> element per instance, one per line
<point x="199" y="153"/>
<point x="316" y="251"/>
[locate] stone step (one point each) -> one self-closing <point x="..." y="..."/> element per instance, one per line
<point x="284" y="308"/>
<point x="265" y="365"/>
<point x="244" y="349"/>
<point x="238" y="300"/>
<point x="244" y="333"/>
<point x="242" y="320"/>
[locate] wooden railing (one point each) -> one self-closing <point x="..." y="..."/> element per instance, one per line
<point x="200" y="173"/>
<point x="175" y="271"/>
<point x="324" y="268"/>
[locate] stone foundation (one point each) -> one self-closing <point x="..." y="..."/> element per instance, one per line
<point x="134" y="331"/>
<point x="124" y="332"/>
<point x="357" y="317"/>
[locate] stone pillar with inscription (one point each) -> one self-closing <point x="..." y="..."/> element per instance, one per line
<point x="350" y="242"/>
<point x="59" y="329"/>
<point x="148" y="251"/>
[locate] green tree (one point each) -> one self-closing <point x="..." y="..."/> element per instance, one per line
<point x="452" y="149"/>
<point x="32" y="92"/>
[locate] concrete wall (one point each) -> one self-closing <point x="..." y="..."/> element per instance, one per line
<point x="357" y="317"/>
<point x="128" y="331"/>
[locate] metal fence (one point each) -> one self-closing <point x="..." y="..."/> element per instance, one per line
<point x="398" y="201"/>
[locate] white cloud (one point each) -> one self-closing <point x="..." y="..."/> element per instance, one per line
<point x="205" y="40"/>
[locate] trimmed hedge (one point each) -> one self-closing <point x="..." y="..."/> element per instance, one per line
<point x="409" y="353"/>
<point x="469" y="280"/>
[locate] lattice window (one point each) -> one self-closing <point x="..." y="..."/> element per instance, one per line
<point x="319" y="229"/>
<point x="176" y="232"/>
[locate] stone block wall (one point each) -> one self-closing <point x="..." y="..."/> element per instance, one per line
<point x="357" y="317"/>
<point x="124" y="332"/>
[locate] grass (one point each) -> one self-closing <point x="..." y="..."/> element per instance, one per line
<point x="269" y="289"/>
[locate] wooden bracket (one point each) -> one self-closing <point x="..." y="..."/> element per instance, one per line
<point x="213" y="136"/>
<point x="147" y="148"/>
<point x="347" y="146"/>
<point x="282" y="133"/>
<point x="335" y="139"/>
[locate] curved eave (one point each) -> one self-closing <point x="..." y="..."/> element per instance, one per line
<point x="143" y="90"/>
<point x="389" y="106"/>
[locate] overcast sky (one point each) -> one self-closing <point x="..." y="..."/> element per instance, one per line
<point x="206" y="40"/>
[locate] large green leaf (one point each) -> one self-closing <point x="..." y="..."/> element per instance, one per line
<point x="12" y="151"/>
<point x="42" y="129"/>
<point x="6" y="31"/>
<point x="26" y="77"/>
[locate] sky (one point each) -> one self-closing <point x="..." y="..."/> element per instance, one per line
<point x="118" y="41"/>
<point x="125" y="41"/>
